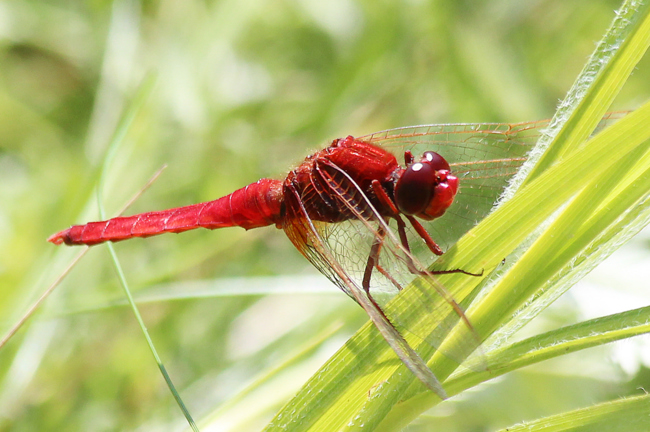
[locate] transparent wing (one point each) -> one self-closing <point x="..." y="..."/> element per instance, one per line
<point x="484" y="157"/>
<point x="350" y="242"/>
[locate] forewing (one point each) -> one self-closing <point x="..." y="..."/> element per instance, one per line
<point x="483" y="156"/>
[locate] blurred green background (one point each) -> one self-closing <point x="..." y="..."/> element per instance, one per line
<point x="242" y="90"/>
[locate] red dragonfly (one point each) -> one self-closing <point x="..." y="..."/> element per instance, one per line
<point x="338" y="207"/>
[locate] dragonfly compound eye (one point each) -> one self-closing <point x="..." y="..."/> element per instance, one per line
<point x="435" y="161"/>
<point x="413" y="189"/>
<point x="426" y="188"/>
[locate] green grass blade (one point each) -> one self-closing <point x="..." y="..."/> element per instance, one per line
<point x="536" y="349"/>
<point x="595" y="221"/>
<point x="555" y="343"/>
<point x="145" y="332"/>
<point x="629" y="415"/>
<point x="594" y="91"/>
<point x="118" y="138"/>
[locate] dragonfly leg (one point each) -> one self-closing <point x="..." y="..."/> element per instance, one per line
<point x="373" y="263"/>
<point x="401" y="230"/>
<point x="373" y="259"/>
<point x="383" y="197"/>
<point x="433" y="247"/>
<point x="387" y="275"/>
<point x="465" y="272"/>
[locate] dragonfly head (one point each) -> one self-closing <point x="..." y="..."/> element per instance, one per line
<point x="426" y="188"/>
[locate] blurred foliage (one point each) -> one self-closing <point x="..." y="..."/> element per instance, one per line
<point x="244" y="89"/>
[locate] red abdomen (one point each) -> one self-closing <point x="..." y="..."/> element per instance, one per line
<point x="256" y="205"/>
